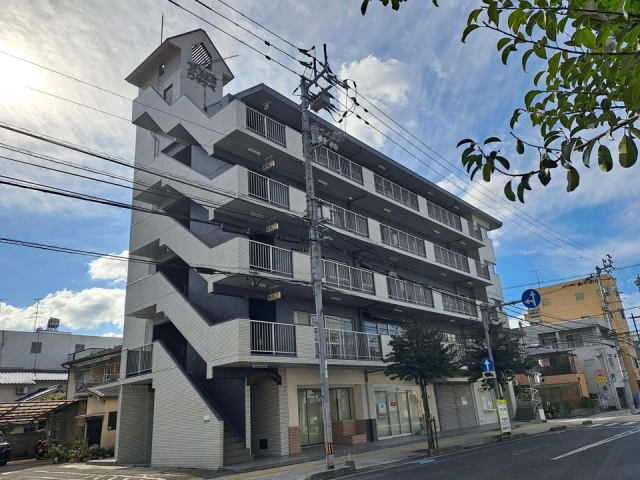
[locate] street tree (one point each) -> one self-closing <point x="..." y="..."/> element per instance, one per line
<point x="508" y="356"/>
<point x="585" y="90"/>
<point x="420" y="354"/>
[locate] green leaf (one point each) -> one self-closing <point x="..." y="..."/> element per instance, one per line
<point x="363" y="7"/>
<point x="486" y="172"/>
<point x="586" y="154"/>
<point x="585" y="38"/>
<point x="521" y="193"/>
<point x="528" y="98"/>
<point x="546" y="162"/>
<point x="462" y="142"/>
<point x="567" y="151"/>
<point x="525" y="181"/>
<point x="514" y="117"/>
<point x="627" y="152"/>
<point x="491" y="140"/>
<point x="475" y="170"/>
<point x="573" y="179"/>
<point x="504" y="162"/>
<point x="633" y="129"/>
<point x="544" y="176"/>
<point x="525" y="57"/>
<point x="502" y="42"/>
<point x="468" y="30"/>
<point x="492" y="12"/>
<point x="519" y="146"/>
<point x="604" y="159"/>
<point x="467" y="152"/>
<point x="505" y="55"/>
<point x="508" y="192"/>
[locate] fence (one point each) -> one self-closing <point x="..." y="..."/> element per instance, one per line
<point x="263" y="125"/>
<point x="395" y="191"/>
<point x="139" y="360"/>
<point x="409" y="292"/>
<point x="403" y="241"/>
<point x="342" y="218"/>
<point x="475" y="231"/>
<point x="272" y="338"/>
<point x="347" y="344"/>
<point x="338" y="164"/>
<point x="272" y="259"/>
<point x="444" y="216"/>
<point x="459" y="305"/>
<point x="452" y="259"/>
<point x="344" y="276"/>
<point x="268" y="190"/>
<point x="483" y="271"/>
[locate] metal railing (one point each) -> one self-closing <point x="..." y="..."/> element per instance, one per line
<point x="451" y="303"/>
<point x="444" y="216"/>
<point x="452" y="259"/>
<point x="344" y="276"/>
<point x="269" y="338"/>
<point x="402" y="240"/>
<point x="263" y="125"/>
<point x="268" y="190"/>
<point x="139" y="360"/>
<point x="483" y="270"/>
<point x="270" y="258"/>
<point x="338" y="164"/>
<point x="409" y="292"/>
<point x="395" y="191"/>
<point x="339" y="217"/>
<point x="475" y="231"/>
<point x="347" y="344"/>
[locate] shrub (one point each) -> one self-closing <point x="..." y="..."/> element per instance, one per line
<point x="586" y="402"/>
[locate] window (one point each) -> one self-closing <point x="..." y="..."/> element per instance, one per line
<point x="113" y="418"/>
<point x="635" y="362"/>
<point x="546" y="302"/>
<point x="579" y="296"/>
<point x="161" y="70"/>
<point x="335" y="323"/>
<point x="589" y="362"/>
<point x="392" y="190"/>
<point x="550" y="342"/>
<point x="575" y="340"/>
<point x="200" y="56"/>
<point x="302" y="318"/>
<point x="58" y="429"/>
<point x="382" y="328"/>
<point x="168" y="94"/>
<point x="36" y="347"/>
<point x="498" y="304"/>
<point x="341" y="404"/>
<point x="487" y="399"/>
<point x="610" y="359"/>
<point x="79" y="347"/>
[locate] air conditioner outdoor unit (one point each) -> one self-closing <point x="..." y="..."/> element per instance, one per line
<point x="22" y="390"/>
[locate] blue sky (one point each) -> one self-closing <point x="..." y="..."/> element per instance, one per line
<point x="411" y="63"/>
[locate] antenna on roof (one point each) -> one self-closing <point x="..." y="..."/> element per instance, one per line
<point x="161" y="28"/>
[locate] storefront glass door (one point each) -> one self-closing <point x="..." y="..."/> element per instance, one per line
<point x="398" y="413"/>
<point x="310" y="417"/>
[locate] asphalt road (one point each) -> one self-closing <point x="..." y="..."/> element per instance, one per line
<point x="601" y="451"/>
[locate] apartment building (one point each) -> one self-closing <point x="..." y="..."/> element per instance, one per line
<point x="219" y="347"/>
<point x="583" y="299"/>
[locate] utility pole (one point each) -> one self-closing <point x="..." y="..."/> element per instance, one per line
<point x="608" y="265"/>
<point x="484" y="310"/>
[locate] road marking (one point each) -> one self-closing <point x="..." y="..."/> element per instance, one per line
<point x="630" y="423"/>
<point x="594" y="425"/>
<point x="422" y="462"/>
<point x="606" y="440"/>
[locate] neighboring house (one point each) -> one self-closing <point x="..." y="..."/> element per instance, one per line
<point x="208" y="360"/>
<point x="582" y="299"/>
<point x="17" y="384"/>
<point x="45" y="350"/>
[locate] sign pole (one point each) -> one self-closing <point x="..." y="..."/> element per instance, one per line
<point x="484" y="309"/>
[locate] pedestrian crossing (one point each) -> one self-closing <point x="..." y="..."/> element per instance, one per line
<point x="625" y="424"/>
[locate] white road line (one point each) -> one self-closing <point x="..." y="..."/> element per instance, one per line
<point x="606" y="440"/>
<point x="609" y="424"/>
<point x="630" y="423"/>
<point x="593" y="425"/>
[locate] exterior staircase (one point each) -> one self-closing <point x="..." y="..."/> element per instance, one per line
<point x="235" y="450"/>
<point x="524" y="411"/>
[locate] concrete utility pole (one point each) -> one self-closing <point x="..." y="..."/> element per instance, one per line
<point x="605" y="306"/>
<point x="484" y="310"/>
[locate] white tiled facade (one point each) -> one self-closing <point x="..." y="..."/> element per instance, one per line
<point x="207" y="359"/>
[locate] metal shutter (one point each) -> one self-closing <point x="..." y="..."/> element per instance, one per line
<point x="466" y="413"/>
<point x="447" y="411"/>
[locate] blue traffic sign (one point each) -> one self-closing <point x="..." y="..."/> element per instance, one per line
<point x="486" y="364"/>
<point x="531" y="298"/>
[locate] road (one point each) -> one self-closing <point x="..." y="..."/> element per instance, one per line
<point x="598" y="451"/>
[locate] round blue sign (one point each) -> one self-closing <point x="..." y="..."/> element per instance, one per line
<point x="486" y="364"/>
<point x="531" y="298"/>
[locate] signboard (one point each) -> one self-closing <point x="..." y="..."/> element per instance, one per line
<point x="274" y="296"/>
<point x="602" y="379"/>
<point x="272" y="228"/>
<point x="503" y="416"/>
<point x="531" y="298"/>
<point x="599" y="373"/>
<point x="491" y="374"/>
<point x="535" y="315"/>
<point x="464" y="400"/>
<point x="486" y="364"/>
<point x="393" y="406"/>
<point x="382" y="410"/>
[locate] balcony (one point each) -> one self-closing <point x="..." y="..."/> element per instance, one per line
<point x="451" y="303"/>
<point x="352" y="345"/>
<point x="475" y="231"/>
<point x="339" y="164"/>
<point x="139" y="360"/>
<point x="269" y="258"/>
<point x="483" y="271"/>
<point x="409" y="292"/>
<point x="268" y="190"/>
<point x="396" y="192"/>
<point x="452" y="259"/>
<point x="268" y="338"/>
<point x="268" y="128"/>
<point x="339" y="217"/>
<point x="558" y="370"/>
<point x="344" y="276"/>
<point x="403" y="241"/>
<point x="444" y="216"/>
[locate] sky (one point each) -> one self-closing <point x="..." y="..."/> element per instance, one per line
<point x="411" y="64"/>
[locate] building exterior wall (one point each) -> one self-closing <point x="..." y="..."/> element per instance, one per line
<point x="135" y="425"/>
<point x="8" y="392"/>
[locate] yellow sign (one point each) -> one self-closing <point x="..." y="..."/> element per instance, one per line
<point x="274" y="296"/>
<point x="601" y="379"/>
<point x="272" y="227"/>
<point x="503" y="416"/>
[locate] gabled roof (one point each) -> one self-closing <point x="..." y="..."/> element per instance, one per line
<point x="43" y="392"/>
<point x="30" y="377"/>
<point x="100" y="393"/>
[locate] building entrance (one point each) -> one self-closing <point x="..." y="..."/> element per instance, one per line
<point x="398" y="413"/>
<point x="310" y="412"/>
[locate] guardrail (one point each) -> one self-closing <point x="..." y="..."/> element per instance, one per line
<point x="338" y="164"/>
<point x="344" y="276"/>
<point x="139" y="360"/>
<point x="269" y="338"/>
<point x="339" y="217"/>
<point x="395" y="191"/>
<point x="451" y="303"/>
<point x="483" y="271"/>
<point x="453" y="259"/>
<point x="475" y="231"/>
<point x="268" y="190"/>
<point x="355" y="345"/>
<point x="403" y="241"/>
<point x="444" y="216"/>
<point x="270" y="258"/>
<point x="265" y="126"/>
<point x="409" y="292"/>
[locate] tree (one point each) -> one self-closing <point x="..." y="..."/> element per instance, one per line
<point x="508" y="358"/>
<point x="421" y="355"/>
<point x="586" y="88"/>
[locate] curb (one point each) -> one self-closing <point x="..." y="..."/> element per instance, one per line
<point x="559" y="427"/>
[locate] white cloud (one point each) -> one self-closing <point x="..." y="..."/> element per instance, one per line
<point x="89" y="308"/>
<point x="112" y="335"/>
<point x="106" y="268"/>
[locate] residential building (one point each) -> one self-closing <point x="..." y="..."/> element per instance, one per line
<point x="219" y="346"/>
<point x="15" y="385"/>
<point x="583" y="299"/>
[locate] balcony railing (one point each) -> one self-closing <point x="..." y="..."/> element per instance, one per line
<point x="268" y="338"/>
<point x="395" y="191"/>
<point x="475" y="231"/>
<point x="402" y="240"/>
<point x="263" y="125"/>
<point x="272" y="259"/>
<point x="342" y="218"/>
<point x="558" y="370"/>
<point x="451" y="303"/>
<point x="409" y="292"/>
<point x="268" y="190"/>
<point x="355" y="345"/>
<point x="344" y="276"/>
<point x="444" y="216"/>
<point x="338" y="164"/>
<point x="483" y="270"/>
<point x="452" y="259"/>
<point x="139" y="360"/>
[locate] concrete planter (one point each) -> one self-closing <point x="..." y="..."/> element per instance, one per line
<point x="581" y="412"/>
